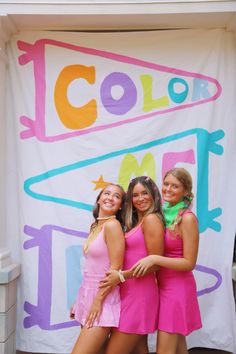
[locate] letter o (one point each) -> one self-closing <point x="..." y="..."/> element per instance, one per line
<point x="126" y="102"/>
<point x="175" y="96"/>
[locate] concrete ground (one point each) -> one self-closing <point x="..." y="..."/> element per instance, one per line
<point x="207" y="351"/>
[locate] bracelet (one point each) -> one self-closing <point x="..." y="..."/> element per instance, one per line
<point x="121" y="276"/>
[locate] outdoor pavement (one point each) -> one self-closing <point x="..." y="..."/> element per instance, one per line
<point x="207" y="351"/>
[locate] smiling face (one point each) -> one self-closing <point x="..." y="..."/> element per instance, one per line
<point x="173" y="190"/>
<point x="141" y="199"/>
<point x="110" y="201"/>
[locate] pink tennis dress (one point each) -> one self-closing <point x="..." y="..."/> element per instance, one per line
<point x="179" y="310"/>
<point x="96" y="265"/>
<point x="139" y="296"/>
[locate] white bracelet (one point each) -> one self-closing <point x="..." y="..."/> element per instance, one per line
<point x="121" y="276"/>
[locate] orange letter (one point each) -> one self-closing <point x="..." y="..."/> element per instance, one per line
<point x="74" y="117"/>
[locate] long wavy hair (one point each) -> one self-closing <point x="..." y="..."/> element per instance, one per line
<point x="120" y="212"/>
<point x="131" y="216"/>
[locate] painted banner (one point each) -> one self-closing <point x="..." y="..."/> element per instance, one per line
<point x="85" y="109"/>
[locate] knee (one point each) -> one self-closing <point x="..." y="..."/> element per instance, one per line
<point x="164" y="350"/>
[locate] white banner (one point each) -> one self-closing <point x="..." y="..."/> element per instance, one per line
<point x="89" y="108"/>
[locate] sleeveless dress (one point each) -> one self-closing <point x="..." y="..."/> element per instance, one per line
<point x="139" y="296"/>
<point x="96" y="265"/>
<point x="179" y="310"/>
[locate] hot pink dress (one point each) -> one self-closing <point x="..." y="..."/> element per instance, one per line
<point x="139" y="296"/>
<point x="179" y="310"/>
<point x="96" y="265"/>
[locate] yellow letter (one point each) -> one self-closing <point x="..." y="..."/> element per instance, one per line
<point x="129" y="168"/>
<point x="148" y="102"/>
<point x="74" y="117"/>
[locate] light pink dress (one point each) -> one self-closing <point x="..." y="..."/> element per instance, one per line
<point x="179" y="310"/>
<point x="139" y="296"/>
<point x="96" y="265"/>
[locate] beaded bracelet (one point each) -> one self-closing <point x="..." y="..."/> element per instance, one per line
<point x="121" y="276"/>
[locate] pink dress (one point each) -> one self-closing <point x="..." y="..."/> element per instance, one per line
<point x="179" y="311"/>
<point x="139" y="296"/>
<point x="96" y="265"/>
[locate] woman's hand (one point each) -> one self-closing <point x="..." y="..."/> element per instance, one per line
<point x="112" y="279"/>
<point x="140" y="268"/>
<point x="94" y="313"/>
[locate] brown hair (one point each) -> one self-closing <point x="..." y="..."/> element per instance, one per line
<point x="131" y="217"/>
<point x="119" y="214"/>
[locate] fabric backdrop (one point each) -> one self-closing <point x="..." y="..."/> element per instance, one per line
<point x="85" y="109"/>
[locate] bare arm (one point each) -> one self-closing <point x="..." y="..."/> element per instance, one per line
<point x="153" y="231"/>
<point x="190" y="235"/>
<point x="114" y="239"/>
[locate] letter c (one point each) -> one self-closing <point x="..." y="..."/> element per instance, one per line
<point x="74" y="117"/>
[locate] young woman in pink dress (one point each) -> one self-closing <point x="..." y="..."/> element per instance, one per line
<point x="98" y="310"/>
<point x="144" y="223"/>
<point x="179" y="313"/>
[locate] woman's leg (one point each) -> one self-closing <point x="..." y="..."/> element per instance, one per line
<point x="182" y="345"/>
<point x="167" y="343"/>
<point x="91" y="340"/>
<point x="121" y="343"/>
<point x="142" y="346"/>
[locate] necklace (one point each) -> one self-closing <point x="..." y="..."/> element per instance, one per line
<point x="106" y="217"/>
